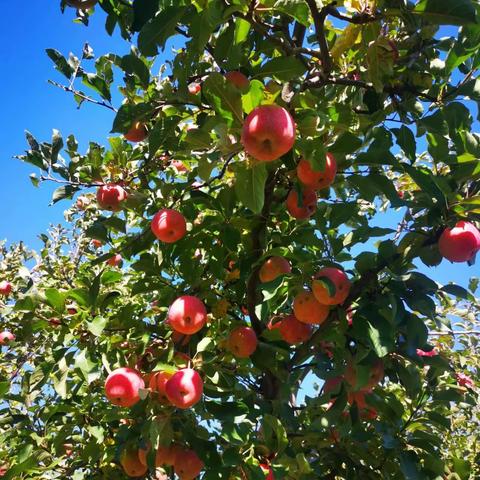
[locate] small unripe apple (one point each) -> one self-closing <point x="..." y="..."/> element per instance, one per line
<point x="273" y="268"/>
<point x="131" y="463"/>
<point x="317" y="179"/>
<point x="187" y="465"/>
<point x="309" y="202"/>
<point x="137" y="133"/>
<point x="115" y="261"/>
<point x="110" y="197"/>
<point x="242" y="342"/>
<point x="5" y="288"/>
<point x="194" y="88"/>
<point x="268" y="133"/>
<point x="185" y="388"/>
<point x="308" y="310"/>
<point x="168" y="225"/>
<point x="340" y="281"/>
<point x="157" y="384"/>
<point x="6" y="337"/>
<point x="187" y="315"/>
<point x="293" y="331"/>
<point x="461" y="243"/>
<point x="238" y="79"/>
<point x="123" y="385"/>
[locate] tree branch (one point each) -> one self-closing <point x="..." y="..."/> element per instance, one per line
<point x="319" y="17"/>
<point x="359" y="19"/>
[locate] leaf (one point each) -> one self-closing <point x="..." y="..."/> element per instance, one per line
<point x="97" y="325"/>
<point x="204" y="344"/>
<point x="224" y="97"/>
<point x="380" y="61"/>
<point x="55" y="299"/>
<point x="275" y="434"/>
<point x="161" y="132"/>
<point x="380" y="338"/>
<point x="156" y="31"/>
<point x="250" y="186"/>
<point x="65" y="191"/>
<point x="60" y="61"/>
<point x="446" y="12"/>
<point x="406" y="141"/>
<point x="283" y="68"/>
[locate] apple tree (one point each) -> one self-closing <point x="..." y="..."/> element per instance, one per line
<point x="242" y="289"/>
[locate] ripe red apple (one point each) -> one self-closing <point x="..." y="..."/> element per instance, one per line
<point x="187" y="315"/>
<point x="317" y="179"/>
<point x="115" y="261"/>
<point x="185" y="388"/>
<point x="81" y="4"/>
<point x="267" y="469"/>
<point x="461" y="243"/>
<point x="5" y="288"/>
<point x="180" y="338"/>
<point x="309" y="203"/>
<point x="6" y="337"/>
<point x="179" y="166"/>
<point x="194" y="88"/>
<point x="268" y="133"/>
<point x="131" y="463"/>
<point x="273" y="268"/>
<point x="340" y="281"/>
<point x="168" y="225"/>
<point x="238" y="79"/>
<point x="68" y="448"/>
<point x="242" y="342"/>
<point x="332" y="384"/>
<point x="376" y="375"/>
<point x="96" y="243"/>
<point x="137" y="133"/>
<point x="122" y="387"/>
<point x="110" y="197"/>
<point x="72" y="309"/>
<point x="163" y="455"/>
<point x="308" y="310"/>
<point x="187" y="464"/>
<point x="157" y="384"/>
<point x="293" y="331"/>
<point x="54" y="322"/>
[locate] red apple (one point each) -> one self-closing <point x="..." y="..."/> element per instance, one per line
<point x="54" y="322"/>
<point x="187" y="464"/>
<point x="131" y="463"/>
<point x="81" y="4"/>
<point x="242" y="342"/>
<point x="376" y="375"/>
<point x="273" y="268"/>
<point x="110" y="197"/>
<point x="461" y="243"/>
<point x="187" y="315"/>
<point x="6" y="337"/>
<point x="115" y="261"/>
<point x="185" y="388"/>
<point x="332" y="384"/>
<point x="168" y="225"/>
<point x="122" y="387"/>
<point x="157" y="384"/>
<point x="5" y="288"/>
<point x="293" y="331"/>
<point x="194" y="88"/>
<point x="72" y="309"/>
<point x="340" y="281"/>
<point x="267" y="469"/>
<point x="179" y="166"/>
<point x="317" y="179"/>
<point x="308" y="310"/>
<point x="238" y="79"/>
<point x="137" y="133"/>
<point x="68" y="448"/>
<point x="163" y="455"/>
<point x="309" y="203"/>
<point x="96" y="243"/>
<point x="268" y="133"/>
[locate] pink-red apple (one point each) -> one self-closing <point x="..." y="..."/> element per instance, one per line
<point x="168" y="225"/>
<point x="5" y="288"/>
<point x="131" y="463"/>
<point x="293" y="331"/>
<point x="157" y="384"/>
<point x="267" y="470"/>
<point x="340" y="282"/>
<point x="185" y="388"/>
<point x="123" y="385"/>
<point x="187" y="315"/>
<point x="179" y="166"/>
<point x="238" y="79"/>
<point x="268" y="133"/>
<point x="115" y="261"/>
<point x="317" y="179"/>
<point x="194" y="88"/>
<point x="96" y="243"/>
<point x="187" y="464"/>
<point x="309" y="203"/>
<point x="111" y="196"/>
<point x="273" y="268"/>
<point x="242" y="342"/>
<point x="137" y="133"/>
<point x="6" y="337"/>
<point x="460" y="243"/>
<point x="308" y="310"/>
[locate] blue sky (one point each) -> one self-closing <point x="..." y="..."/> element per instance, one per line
<point x="30" y="103"/>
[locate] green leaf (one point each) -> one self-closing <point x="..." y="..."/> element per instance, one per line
<point x="446" y="12"/>
<point x="55" y="299"/>
<point x="381" y="338"/>
<point x="275" y="434"/>
<point x="65" y="191"/>
<point x="224" y="97"/>
<point x="283" y="68"/>
<point x="60" y="61"/>
<point x="406" y="141"/>
<point x="97" y="325"/>
<point x="380" y="61"/>
<point x="204" y="344"/>
<point x="250" y="185"/>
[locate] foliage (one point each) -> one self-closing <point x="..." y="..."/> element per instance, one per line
<point x="385" y="88"/>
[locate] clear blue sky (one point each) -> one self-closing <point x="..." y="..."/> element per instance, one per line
<point x="28" y="102"/>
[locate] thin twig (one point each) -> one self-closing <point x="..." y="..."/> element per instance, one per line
<point x="319" y="17"/>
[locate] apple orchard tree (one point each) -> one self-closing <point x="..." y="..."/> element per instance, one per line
<point x="223" y="249"/>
